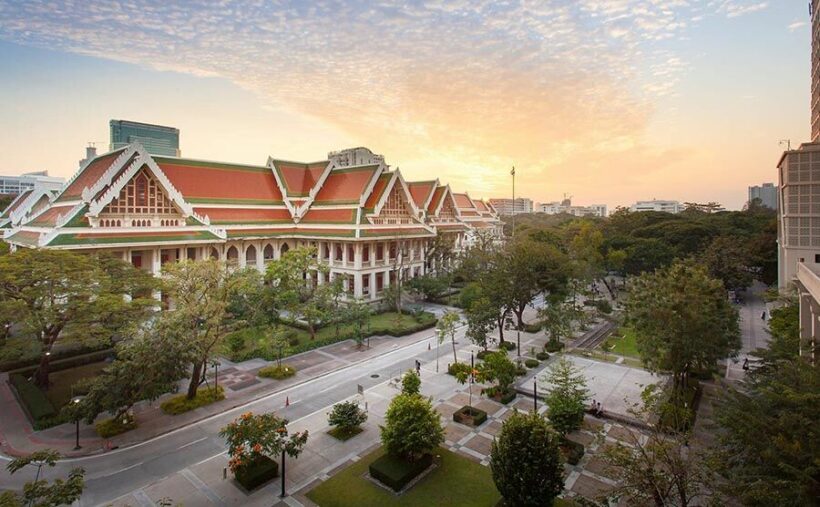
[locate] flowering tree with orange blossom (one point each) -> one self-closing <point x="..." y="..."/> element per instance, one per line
<point x="253" y="436"/>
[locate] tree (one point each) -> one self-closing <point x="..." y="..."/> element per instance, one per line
<point x="727" y="259"/>
<point x="768" y="438"/>
<point x="526" y="462"/>
<point x="446" y="327"/>
<point x="481" y="318"/>
<point x="498" y="368"/>
<point x="682" y="320"/>
<point x="201" y="292"/>
<point x="40" y="493"/>
<point x="430" y="287"/>
<point x="660" y="469"/>
<point x="533" y="268"/>
<point x="410" y="382"/>
<point x="347" y="416"/>
<point x="412" y="427"/>
<point x="292" y="286"/>
<point x="567" y="396"/>
<point x="557" y="317"/>
<point x="278" y="342"/>
<point x="55" y="295"/>
<point x="357" y="312"/>
<point x="585" y="251"/>
<point x="146" y="367"/>
<point x="253" y="436"/>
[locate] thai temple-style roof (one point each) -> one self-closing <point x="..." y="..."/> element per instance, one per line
<point x="129" y="197"/>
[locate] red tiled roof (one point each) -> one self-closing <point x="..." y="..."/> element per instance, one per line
<point x="48" y="218"/>
<point x="469" y="213"/>
<point x="292" y="230"/>
<point x="462" y="201"/>
<point x="221" y="183"/>
<point x="244" y="215"/>
<point x="89" y="176"/>
<point x="437" y="195"/>
<point x="297" y="178"/>
<point x="345" y="185"/>
<point x="16" y="203"/>
<point x="420" y="191"/>
<point x="378" y="190"/>
<point x="29" y="238"/>
<point x="480" y="206"/>
<point x="337" y="216"/>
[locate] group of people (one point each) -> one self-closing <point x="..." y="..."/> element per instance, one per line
<point x="596" y="409"/>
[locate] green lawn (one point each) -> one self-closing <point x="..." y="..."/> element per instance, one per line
<point x="625" y="346"/>
<point x="61" y="389"/>
<point x="456" y="481"/>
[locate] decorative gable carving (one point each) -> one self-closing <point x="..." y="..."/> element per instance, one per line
<point x="396" y="208"/>
<point x="448" y="211"/>
<point x="142" y="202"/>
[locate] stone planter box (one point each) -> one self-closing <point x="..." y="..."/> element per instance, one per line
<point x="396" y="473"/>
<point x="470" y="416"/>
<point x="257" y="473"/>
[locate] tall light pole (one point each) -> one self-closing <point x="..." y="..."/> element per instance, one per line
<point x="512" y="173"/>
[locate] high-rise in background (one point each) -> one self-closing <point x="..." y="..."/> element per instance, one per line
<point x="766" y="194"/>
<point x="157" y="139"/>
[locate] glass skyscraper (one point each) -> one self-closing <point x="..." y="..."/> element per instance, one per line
<point x="156" y="139"/>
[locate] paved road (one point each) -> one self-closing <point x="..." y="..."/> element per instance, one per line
<point x="754" y="334"/>
<point x="118" y="472"/>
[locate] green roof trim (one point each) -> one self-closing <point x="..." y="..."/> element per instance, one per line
<point x="77" y="219"/>
<point x="210" y="165"/>
<point x="192" y="221"/>
<point x="74" y="239"/>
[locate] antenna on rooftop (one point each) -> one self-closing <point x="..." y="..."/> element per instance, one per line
<point x="787" y="142"/>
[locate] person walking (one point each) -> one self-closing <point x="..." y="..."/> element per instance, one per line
<point x="763" y="315"/>
<point x="746" y="364"/>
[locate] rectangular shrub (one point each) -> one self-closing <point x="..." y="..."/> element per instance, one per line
<point x="35" y="401"/>
<point x="257" y="473"/>
<point x="108" y="428"/>
<point x="396" y="473"/>
<point x="470" y="416"/>
<point x="61" y="357"/>
<point x="180" y="404"/>
<point x="572" y="451"/>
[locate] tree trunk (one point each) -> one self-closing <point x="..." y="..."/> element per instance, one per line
<point x="41" y="378"/>
<point x="519" y="314"/>
<point x="453" y="340"/>
<point x="196" y="376"/>
<point x="311" y="330"/>
<point x="500" y="322"/>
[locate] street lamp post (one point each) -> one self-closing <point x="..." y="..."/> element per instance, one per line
<point x="283" y="495"/>
<point x="519" y="340"/>
<point x="215" y="364"/>
<point x="76" y="401"/>
<point x="535" y="395"/>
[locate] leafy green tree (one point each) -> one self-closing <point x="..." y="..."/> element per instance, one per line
<point x="526" y="462"/>
<point x="412" y="427"/>
<point x="533" y="268"/>
<point x="357" y="313"/>
<point x="727" y="259"/>
<point x="481" y="317"/>
<point x="41" y="493"/>
<point x="55" y="295"/>
<point x="279" y="343"/>
<point x="498" y="368"/>
<point x="682" y="320"/>
<point x="429" y="286"/>
<point x="410" y="382"/>
<point x="557" y="317"/>
<point x="201" y="292"/>
<point x="567" y="396"/>
<point x="252" y="436"/>
<point x="446" y="328"/>
<point x="768" y="435"/>
<point x="647" y="255"/>
<point x="347" y="416"/>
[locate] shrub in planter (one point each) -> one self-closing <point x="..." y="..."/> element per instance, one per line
<point x="470" y="416"/>
<point x="456" y="368"/>
<point x="507" y="346"/>
<point x="34" y="399"/>
<point x="499" y="395"/>
<point x="534" y="327"/>
<point x="108" y="428"/>
<point x="531" y="363"/>
<point x="481" y="354"/>
<point x="180" y="403"/>
<point x="277" y="372"/>
<point x="499" y="369"/>
<point x="346" y="417"/>
<point x="257" y="473"/>
<point x="396" y="472"/>
<point x="542" y="356"/>
<point x="553" y="346"/>
<point x="572" y="451"/>
<point x="520" y="370"/>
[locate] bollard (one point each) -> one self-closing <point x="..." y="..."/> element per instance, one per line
<point x="287" y="401"/>
<point x="224" y="473"/>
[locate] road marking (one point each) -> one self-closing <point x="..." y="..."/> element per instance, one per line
<point x="192" y="443"/>
<point x="127" y="468"/>
<point x="202" y="487"/>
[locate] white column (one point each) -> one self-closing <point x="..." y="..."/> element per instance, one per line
<point x="241" y="248"/>
<point x="372" y="286"/>
<point x="156" y="265"/>
<point x="260" y="257"/>
<point x="357" y="285"/>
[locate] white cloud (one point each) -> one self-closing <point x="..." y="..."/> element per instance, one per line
<point x="796" y="25"/>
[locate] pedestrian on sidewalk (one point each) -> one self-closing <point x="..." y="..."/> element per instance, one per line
<point x="763" y="315"/>
<point x="746" y="364"/>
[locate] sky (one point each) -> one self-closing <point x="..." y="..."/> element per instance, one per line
<point x="607" y="101"/>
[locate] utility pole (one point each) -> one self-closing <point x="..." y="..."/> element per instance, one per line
<point x="512" y="173"/>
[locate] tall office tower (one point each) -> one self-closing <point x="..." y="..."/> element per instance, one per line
<point x="767" y="193"/>
<point x="815" y="70"/>
<point x="156" y="139"/>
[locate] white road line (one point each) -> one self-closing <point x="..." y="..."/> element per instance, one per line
<point x="192" y="443"/>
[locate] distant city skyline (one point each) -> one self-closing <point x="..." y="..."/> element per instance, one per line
<point x="613" y="102"/>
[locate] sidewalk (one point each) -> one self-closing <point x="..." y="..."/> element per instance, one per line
<point x="241" y="384"/>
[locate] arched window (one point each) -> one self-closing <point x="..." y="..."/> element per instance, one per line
<point x="133" y="223"/>
<point x="233" y="255"/>
<point x="142" y="190"/>
<point x="267" y="253"/>
<point x="250" y="255"/>
<point x="119" y="224"/>
<point x="284" y="249"/>
<point x="214" y="254"/>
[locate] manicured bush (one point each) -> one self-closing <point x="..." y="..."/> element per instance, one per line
<point x="344" y="434"/>
<point x="277" y="372"/>
<point x="24" y="354"/>
<point x="108" y="428"/>
<point x="204" y="396"/>
<point x="396" y="472"/>
<point x="257" y="473"/>
<point x="520" y="370"/>
<point x="553" y="346"/>
<point x="481" y="354"/>
<point x="542" y="356"/>
<point x="499" y="395"/>
<point x="470" y="416"/>
<point x="35" y="401"/>
<point x="412" y="428"/>
<point x="507" y="345"/>
<point x="456" y="368"/>
<point x="572" y="451"/>
<point x="532" y="363"/>
<point x="68" y="362"/>
<point x="346" y="417"/>
<point x="534" y="327"/>
<point x="410" y="382"/>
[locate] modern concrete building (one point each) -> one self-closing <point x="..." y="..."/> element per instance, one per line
<point x="156" y="139"/>
<point x="16" y="185"/>
<point x="565" y="206"/>
<point x="657" y="205"/>
<point x="814" y="5"/>
<point x="507" y="207"/>
<point x="367" y="223"/>
<point x="767" y="193"/>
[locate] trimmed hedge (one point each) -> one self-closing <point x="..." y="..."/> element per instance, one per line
<point x="534" y="327"/>
<point x="396" y="472"/>
<point x="58" y="354"/>
<point x="572" y="451"/>
<point x="108" y="428"/>
<point x="64" y="364"/>
<point x="531" y="363"/>
<point x="481" y="354"/>
<point x="35" y="401"/>
<point x="542" y="356"/>
<point x="277" y="372"/>
<point x="180" y="404"/>
<point x="344" y="434"/>
<point x="470" y="416"/>
<point x="507" y="345"/>
<point x="553" y="347"/>
<point x="456" y="368"/>
<point x="501" y="397"/>
<point x="257" y="473"/>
